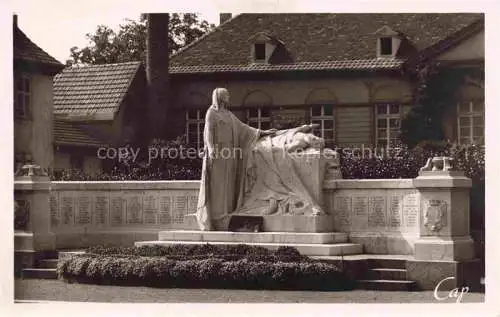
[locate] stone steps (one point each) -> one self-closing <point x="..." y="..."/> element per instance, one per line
<point x="39" y="273"/>
<point x="387" y="285"/>
<point x="303" y="248"/>
<point x="254" y="237"/>
<point x="387" y="275"/>
<point x="47" y="264"/>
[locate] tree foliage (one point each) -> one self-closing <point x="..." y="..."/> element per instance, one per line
<point x="434" y="93"/>
<point x="129" y="42"/>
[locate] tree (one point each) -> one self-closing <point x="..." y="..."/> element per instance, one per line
<point x="129" y="43"/>
<point x="434" y="94"/>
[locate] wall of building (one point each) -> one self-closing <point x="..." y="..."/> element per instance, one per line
<point x="34" y="136"/>
<point x="470" y="49"/>
<point x="297" y="92"/>
<point x="92" y="165"/>
<point x="352" y="98"/>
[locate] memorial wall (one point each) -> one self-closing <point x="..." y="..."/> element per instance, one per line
<point x="367" y="209"/>
<point x="97" y="206"/>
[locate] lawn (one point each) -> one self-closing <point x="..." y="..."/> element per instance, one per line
<point x="55" y="290"/>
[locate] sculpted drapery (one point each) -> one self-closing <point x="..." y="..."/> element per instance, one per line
<point x="227" y="144"/>
<point x="250" y="171"/>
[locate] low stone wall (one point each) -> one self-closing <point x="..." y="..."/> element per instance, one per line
<point x="118" y="213"/>
<point x="380" y="214"/>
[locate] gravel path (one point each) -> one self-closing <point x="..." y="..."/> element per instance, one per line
<point x="54" y="290"/>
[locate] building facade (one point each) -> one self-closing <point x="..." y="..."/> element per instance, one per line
<point x="347" y="72"/>
<point x="34" y="71"/>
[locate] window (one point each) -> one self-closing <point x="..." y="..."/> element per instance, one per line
<point x="323" y="116"/>
<point x="195" y="123"/>
<point x="388" y="124"/>
<point x="259" y="118"/>
<point x="22" y="96"/>
<point x="386" y="46"/>
<point x="260" y="51"/>
<point x="470" y="122"/>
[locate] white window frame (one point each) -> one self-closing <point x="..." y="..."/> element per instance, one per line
<point x="198" y="122"/>
<point x="387" y="116"/>
<point x="471" y="114"/>
<point x="258" y="120"/>
<point x="22" y="110"/>
<point x="321" y="119"/>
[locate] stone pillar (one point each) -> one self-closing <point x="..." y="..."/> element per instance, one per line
<point x="32" y="233"/>
<point x="444" y="213"/>
<point x="445" y="250"/>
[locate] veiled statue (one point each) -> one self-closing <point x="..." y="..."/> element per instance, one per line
<point x="247" y="171"/>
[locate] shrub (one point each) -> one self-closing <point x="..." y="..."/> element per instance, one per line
<point x="211" y="272"/>
<point x="187" y="252"/>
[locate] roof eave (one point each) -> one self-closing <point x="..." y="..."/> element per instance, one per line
<point x="36" y="67"/>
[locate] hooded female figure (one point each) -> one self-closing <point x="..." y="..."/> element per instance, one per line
<point x="228" y="142"/>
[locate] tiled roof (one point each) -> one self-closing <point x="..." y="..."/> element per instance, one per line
<point x="95" y="89"/>
<point x="372" y="64"/>
<point x="316" y="37"/>
<point x="452" y="40"/>
<point x="26" y="50"/>
<point x="74" y="134"/>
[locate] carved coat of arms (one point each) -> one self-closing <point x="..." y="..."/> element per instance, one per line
<point x="435" y="215"/>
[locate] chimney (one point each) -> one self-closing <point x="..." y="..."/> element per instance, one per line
<point x="14" y="20"/>
<point x="157" y="57"/>
<point x="223" y="17"/>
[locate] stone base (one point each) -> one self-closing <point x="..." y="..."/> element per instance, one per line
<point x="444" y="248"/>
<point x="254" y="237"/>
<point x="428" y="274"/>
<point x="298" y="223"/>
<point x="31" y="241"/>
<point x="28" y="259"/>
<point x="383" y="243"/>
<point x="125" y="238"/>
<point x="279" y="223"/>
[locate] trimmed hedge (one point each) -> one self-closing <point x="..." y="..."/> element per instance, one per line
<point x="191" y="252"/>
<point x="129" y="270"/>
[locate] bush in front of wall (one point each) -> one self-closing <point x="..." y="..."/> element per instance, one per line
<point x="201" y="273"/>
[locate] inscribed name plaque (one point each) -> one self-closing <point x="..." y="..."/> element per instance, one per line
<point x="180" y="209"/>
<point x="83" y="204"/>
<point x="101" y="209"/>
<point x="342" y="210"/>
<point x="376" y="214"/>
<point x="134" y="209"/>
<point x="411" y="209"/>
<point x="150" y="209"/>
<point x="192" y="203"/>
<point x="165" y="212"/>
<point x="67" y="210"/>
<point x="55" y="214"/>
<point x="395" y="211"/>
<point x="117" y="210"/>
<point x="359" y="212"/>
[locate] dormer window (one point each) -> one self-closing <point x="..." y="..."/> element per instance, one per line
<point x="388" y="42"/>
<point x="386" y="46"/>
<point x="260" y="51"/>
<point x="262" y="46"/>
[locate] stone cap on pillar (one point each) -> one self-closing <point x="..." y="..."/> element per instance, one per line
<point x="440" y="171"/>
<point x="31" y="173"/>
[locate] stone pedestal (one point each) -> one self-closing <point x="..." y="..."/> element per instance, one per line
<point x="444" y="215"/>
<point x="32" y="194"/>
